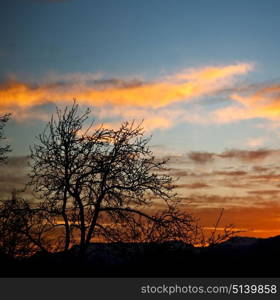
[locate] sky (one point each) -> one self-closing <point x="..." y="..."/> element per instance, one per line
<point x="204" y="76"/>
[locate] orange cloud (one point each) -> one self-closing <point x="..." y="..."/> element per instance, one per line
<point x="263" y="103"/>
<point x="178" y="88"/>
<point x="215" y="73"/>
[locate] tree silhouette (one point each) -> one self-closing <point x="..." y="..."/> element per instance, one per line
<point x="23" y="228"/>
<point x="85" y="175"/>
<point x="12" y="242"/>
<point x="165" y="225"/>
<point x="3" y="149"/>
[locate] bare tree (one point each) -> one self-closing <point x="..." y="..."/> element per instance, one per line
<point x="3" y="149"/>
<point x="86" y="173"/>
<point x="216" y="236"/>
<point x="23" y="229"/>
<point x="169" y="224"/>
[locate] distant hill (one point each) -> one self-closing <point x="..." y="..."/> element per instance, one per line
<point x="238" y="241"/>
<point x="236" y="257"/>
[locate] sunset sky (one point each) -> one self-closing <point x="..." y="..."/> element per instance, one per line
<point x="204" y="76"/>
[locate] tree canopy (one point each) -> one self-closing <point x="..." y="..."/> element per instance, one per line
<point x="99" y="180"/>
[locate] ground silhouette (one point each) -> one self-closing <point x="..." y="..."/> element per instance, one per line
<point x="236" y="257"/>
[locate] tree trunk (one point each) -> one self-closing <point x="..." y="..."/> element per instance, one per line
<point x="82" y="251"/>
<point x="66" y="223"/>
<point x="94" y="220"/>
<point x="67" y="232"/>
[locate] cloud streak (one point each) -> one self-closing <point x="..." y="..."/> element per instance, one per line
<point x="151" y="100"/>
<point x="242" y="155"/>
<point x="201" y="157"/>
<point x="262" y="102"/>
<point x="194" y="185"/>
<point x="163" y="103"/>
